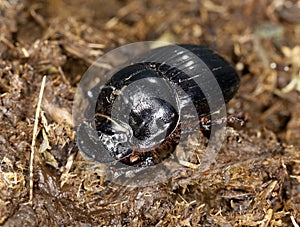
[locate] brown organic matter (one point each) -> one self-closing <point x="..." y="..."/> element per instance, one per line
<point x="255" y="179"/>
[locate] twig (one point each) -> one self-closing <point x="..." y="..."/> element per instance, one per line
<point x="34" y="135"/>
<point x="37" y="17"/>
<point x="6" y="42"/>
<point x="294" y="221"/>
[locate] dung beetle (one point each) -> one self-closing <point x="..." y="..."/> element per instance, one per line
<point x="145" y="108"/>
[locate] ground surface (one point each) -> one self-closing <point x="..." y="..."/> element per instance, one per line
<point x="255" y="180"/>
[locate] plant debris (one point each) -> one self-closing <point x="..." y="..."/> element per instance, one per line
<point x="255" y="179"/>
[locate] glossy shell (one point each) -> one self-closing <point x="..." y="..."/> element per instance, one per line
<point x="141" y="110"/>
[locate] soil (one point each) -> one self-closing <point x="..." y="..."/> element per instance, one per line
<point x="255" y="179"/>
